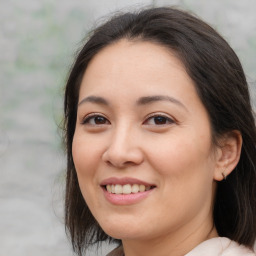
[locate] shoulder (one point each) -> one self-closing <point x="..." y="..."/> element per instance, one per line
<point x="221" y="246"/>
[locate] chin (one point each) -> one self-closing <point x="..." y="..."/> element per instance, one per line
<point x="122" y="231"/>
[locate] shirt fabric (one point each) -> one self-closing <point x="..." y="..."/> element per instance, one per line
<point x="219" y="246"/>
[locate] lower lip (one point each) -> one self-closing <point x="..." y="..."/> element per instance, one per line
<point x="126" y="199"/>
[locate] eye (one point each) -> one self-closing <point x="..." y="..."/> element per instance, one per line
<point x="158" y="120"/>
<point x="94" y="119"/>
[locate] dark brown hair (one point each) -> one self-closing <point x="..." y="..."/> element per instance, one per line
<point x="221" y="86"/>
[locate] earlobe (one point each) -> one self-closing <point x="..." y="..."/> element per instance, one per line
<point x="229" y="151"/>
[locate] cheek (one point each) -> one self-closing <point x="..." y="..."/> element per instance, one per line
<point x="85" y="154"/>
<point x="185" y="162"/>
<point x="176" y="155"/>
<point x="186" y="177"/>
<point x="85" y="161"/>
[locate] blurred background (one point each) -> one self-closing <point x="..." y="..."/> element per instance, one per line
<point x="38" y="40"/>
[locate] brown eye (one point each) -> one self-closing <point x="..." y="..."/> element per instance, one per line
<point x="96" y="120"/>
<point x="159" y="120"/>
<point x="100" y="120"/>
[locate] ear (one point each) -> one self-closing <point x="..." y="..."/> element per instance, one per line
<point x="228" y="154"/>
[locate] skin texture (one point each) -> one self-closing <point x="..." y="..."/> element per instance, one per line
<point x="119" y="135"/>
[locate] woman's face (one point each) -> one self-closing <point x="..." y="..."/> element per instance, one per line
<point x="142" y="146"/>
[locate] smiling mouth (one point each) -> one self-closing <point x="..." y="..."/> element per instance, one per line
<point x="127" y="188"/>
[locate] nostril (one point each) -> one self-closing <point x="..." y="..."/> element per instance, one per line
<point x="109" y="163"/>
<point x="120" y="164"/>
<point x="129" y="163"/>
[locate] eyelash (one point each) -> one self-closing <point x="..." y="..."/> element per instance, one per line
<point x="162" y="117"/>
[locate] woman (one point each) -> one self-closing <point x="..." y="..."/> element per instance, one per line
<point x="160" y="139"/>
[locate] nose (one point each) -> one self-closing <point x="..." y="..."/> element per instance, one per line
<point x="123" y="149"/>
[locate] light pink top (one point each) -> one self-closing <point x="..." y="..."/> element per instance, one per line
<point x="219" y="246"/>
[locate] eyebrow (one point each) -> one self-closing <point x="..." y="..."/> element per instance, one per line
<point x="141" y="101"/>
<point x="156" y="98"/>
<point x="94" y="99"/>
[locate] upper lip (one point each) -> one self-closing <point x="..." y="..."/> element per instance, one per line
<point x="123" y="181"/>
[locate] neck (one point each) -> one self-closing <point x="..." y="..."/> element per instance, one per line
<point x="173" y="244"/>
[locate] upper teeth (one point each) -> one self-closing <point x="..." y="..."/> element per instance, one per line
<point x="127" y="188"/>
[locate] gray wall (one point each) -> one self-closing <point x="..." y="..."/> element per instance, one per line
<point x="37" y="42"/>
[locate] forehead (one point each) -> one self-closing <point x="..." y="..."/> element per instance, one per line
<point x="134" y="65"/>
<point x="134" y="54"/>
<point x="135" y="49"/>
